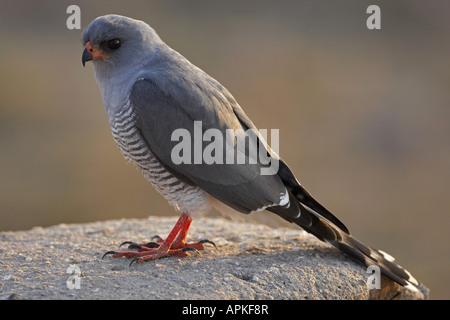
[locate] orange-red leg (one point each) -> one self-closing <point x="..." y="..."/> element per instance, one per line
<point x="174" y="245"/>
<point x="180" y="240"/>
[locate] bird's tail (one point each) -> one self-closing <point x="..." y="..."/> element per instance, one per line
<point x="323" y="226"/>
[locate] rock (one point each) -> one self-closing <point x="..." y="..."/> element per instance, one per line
<point x="251" y="262"/>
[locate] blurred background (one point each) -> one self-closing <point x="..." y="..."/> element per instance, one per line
<point x="364" y="115"/>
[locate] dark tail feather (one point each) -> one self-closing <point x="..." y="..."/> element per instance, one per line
<point x="304" y="197"/>
<point x="326" y="231"/>
<point x="370" y="256"/>
<point x="306" y="212"/>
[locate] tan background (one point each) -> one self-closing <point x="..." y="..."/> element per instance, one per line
<point x="364" y="116"/>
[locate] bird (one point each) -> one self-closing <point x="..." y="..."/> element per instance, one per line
<point x="150" y="91"/>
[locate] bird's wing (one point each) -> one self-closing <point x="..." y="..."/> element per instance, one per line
<point x="163" y="108"/>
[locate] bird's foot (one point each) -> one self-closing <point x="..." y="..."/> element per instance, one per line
<point x="155" y="249"/>
<point x="173" y="245"/>
<point x="181" y="243"/>
<point x="146" y="254"/>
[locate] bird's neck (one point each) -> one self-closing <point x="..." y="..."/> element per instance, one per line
<point x="115" y="91"/>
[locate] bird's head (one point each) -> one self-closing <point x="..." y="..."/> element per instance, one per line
<point x="114" y="40"/>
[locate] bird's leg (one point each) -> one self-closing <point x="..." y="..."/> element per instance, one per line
<point x="178" y="243"/>
<point x="162" y="248"/>
<point x="180" y="240"/>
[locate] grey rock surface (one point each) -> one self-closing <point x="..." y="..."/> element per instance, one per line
<point x="251" y="262"/>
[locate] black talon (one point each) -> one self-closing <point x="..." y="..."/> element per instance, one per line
<point x="207" y="241"/>
<point x="134" y="260"/>
<point x="151" y="245"/>
<point x="109" y="252"/>
<point x="126" y="242"/>
<point x="135" y="246"/>
<point x="191" y="249"/>
<point x="157" y="237"/>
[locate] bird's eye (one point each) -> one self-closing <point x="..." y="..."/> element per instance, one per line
<point x="114" y="44"/>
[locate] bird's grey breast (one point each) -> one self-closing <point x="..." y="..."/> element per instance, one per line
<point x="186" y="198"/>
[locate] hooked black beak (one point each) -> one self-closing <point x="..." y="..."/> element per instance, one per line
<point x="87" y="56"/>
